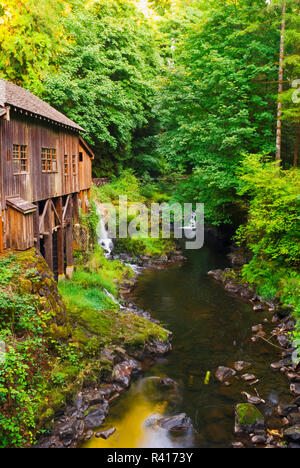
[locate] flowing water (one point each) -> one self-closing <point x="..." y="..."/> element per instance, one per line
<point x="211" y="328"/>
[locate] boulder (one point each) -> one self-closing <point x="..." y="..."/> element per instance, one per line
<point x="216" y="274"/>
<point x="295" y="389"/>
<point x="237" y="445"/>
<point x="285" y="410"/>
<point x="278" y="365"/>
<point x="297" y="401"/>
<point x="167" y="382"/>
<point x="106" y="434"/>
<point x="180" y="423"/>
<point x="157" y="348"/>
<point x="66" y="432"/>
<point x="241" y="365"/>
<point x="292" y="434"/>
<point x="122" y="372"/>
<point x="284" y="341"/>
<point x="257" y="328"/>
<point x="248" y="377"/>
<point x="88" y="435"/>
<point x="248" y="419"/>
<point x="294" y="419"/>
<point x="253" y="399"/>
<point x="293" y="377"/>
<point x="94" y="419"/>
<point x="93" y="397"/>
<point x="258" y="439"/>
<point x="224" y="373"/>
<point x="232" y="287"/>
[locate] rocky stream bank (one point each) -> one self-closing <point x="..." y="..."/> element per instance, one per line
<point x="83" y="417"/>
<point x="251" y="429"/>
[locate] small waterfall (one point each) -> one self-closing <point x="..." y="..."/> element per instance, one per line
<point x="112" y="297"/>
<point x="137" y="270"/>
<point x="103" y="238"/>
<point x="191" y="227"/>
<point x="193" y="222"/>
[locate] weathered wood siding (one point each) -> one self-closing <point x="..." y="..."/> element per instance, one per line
<point x="85" y="170"/>
<point x="20" y="232"/>
<point x="36" y="185"/>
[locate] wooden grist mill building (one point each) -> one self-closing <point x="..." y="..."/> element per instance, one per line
<point x="45" y="176"/>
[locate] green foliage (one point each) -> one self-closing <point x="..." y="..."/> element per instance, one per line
<point x="31" y="38"/>
<point x="291" y="109"/>
<point x="90" y="221"/>
<point x="272" y="232"/>
<point x="126" y="184"/>
<point x="144" y="191"/>
<point x="50" y="352"/>
<point x="214" y="107"/>
<point x="106" y="76"/>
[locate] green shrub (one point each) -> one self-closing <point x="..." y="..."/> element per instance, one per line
<point x="272" y="232"/>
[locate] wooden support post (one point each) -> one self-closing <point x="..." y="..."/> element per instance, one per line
<point x="82" y="198"/>
<point x="1" y="234"/>
<point x="76" y="208"/>
<point x="69" y="240"/>
<point x="60" y="240"/>
<point x="48" y="243"/>
<point x="36" y="228"/>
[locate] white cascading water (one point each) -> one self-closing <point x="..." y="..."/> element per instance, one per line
<point x="192" y="226"/>
<point x="103" y="238"/>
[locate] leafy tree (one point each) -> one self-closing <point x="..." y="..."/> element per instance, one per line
<point x="106" y="76"/>
<point x="272" y="231"/>
<point x="218" y="101"/>
<point x="31" y="37"/>
<point x="290" y="98"/>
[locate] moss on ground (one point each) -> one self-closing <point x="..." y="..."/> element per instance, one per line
<point x="55" y="339"/>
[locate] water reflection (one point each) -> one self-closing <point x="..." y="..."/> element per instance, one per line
<point x="136" y="415"/>
<point x="211" y="328"/>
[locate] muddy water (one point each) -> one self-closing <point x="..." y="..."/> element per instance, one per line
<point x="211" y="328"/>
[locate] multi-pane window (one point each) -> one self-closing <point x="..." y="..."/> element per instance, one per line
<point x="66" y="164"/>
<point x="74" y="165"/>
<point x="20" y="159"/>
<point x="49" y="160"/>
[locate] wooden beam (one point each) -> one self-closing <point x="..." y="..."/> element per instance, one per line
<point x="60" y="241"/>
<point x="69" y="240"/>
<point x="59" y="217"/>
<point x="76" y="208"/>
<point x="1" y="234"/>
<point x="42" y="218"/>
<point x="36" y="228"/>
<point x="66" y="208"/>
<point x="48" y="240"/>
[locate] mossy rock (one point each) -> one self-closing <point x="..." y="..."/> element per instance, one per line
<point x="46" y="419"/>
<point x="247" y="417"/>
<point x="25" y="286"/>
<point x="57" y="400"/>
<point x="248" y="414"/>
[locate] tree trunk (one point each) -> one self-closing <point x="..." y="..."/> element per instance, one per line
<point x="297" y="145"/>
<point x="280" y="87"/>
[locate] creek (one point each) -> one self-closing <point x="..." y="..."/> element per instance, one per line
<point x="211" y="328"/>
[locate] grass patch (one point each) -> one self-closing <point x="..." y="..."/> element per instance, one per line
<point x="52" y="349"/>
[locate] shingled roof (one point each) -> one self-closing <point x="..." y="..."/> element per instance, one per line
<point x="21" y="99"/>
